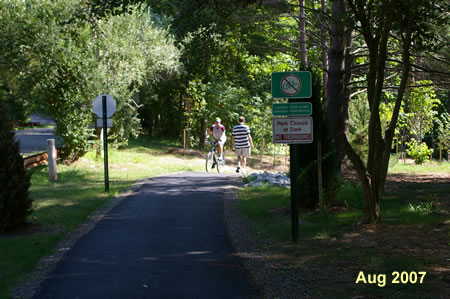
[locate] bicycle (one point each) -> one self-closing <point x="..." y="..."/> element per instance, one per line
<point x="212" y="161"/>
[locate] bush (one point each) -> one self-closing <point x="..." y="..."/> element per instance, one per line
<point x="418" y="151"/>
<point x="15" y="203"/>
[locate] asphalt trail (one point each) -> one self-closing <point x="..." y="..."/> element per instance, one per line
<point x="167" y="240"/>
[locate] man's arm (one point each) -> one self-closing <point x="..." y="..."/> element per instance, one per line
<point x="208" y="133"/>
<point x="250" y="140"/>
<point x="232" y="142"/>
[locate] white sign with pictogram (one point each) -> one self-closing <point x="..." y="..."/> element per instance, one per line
<point x="292" y="130"/>
<point x="290" y="84"/>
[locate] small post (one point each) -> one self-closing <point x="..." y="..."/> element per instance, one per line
<point x="51" y="153"/>
<point x="440" y="149"/>
<point x="274" y="153"/>
<point x="261" y="152"/>
<point x="285" y="153"/>
<point x="396" y="151"/>
<point x="184" y="141"/>
<point x="105" y="143"/>
<point x="319" y="170"/>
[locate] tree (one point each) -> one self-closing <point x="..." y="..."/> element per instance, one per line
<point x="377" y="22"/>
<point x="62" y="57"/>
<point x="422" y="104"/>
<point x="15" y="202"/>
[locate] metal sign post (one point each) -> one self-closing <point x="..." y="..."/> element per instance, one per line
<point x="293" y="131"/>
<point x="104" y="106"/>
<point x="294" y="150"/>
<point x="105" y="143"/>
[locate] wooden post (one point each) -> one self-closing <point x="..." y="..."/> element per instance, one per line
<point x="184" y="141"/>
<point x="440" y="149"/>
<point x="51" y="153"/>
<point x="286" y="149"/>
<point x="319" y="170"/>
<point x="274" y="153"/>
<point x="261" y="153"/>
<point x="396" y="151"/>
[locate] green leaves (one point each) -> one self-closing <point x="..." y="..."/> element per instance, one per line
<point x="60" y="57"/>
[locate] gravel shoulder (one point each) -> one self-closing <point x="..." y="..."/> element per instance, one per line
<point x="275" y="281"/>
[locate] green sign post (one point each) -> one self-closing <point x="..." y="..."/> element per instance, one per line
<point x="104" y="106"/>
<point x="291" y="85"/>
<point x="292" y="109"/>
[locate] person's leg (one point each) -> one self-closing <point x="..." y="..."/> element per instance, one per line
<point x="245" y="153"/>
<point x="220" y="150"/>
<point x="239" y="158"/>
<point x="221" y="144"/>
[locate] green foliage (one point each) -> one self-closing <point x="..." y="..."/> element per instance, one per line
<point x="359" y="126"/>
<point x="69" y="57"/>
<point x="443" y="129"/>
<point x="418" y="151"/>
<point x="15" y="203"/>
<point x="423" y="208"/>
<point x="422" y="104"/>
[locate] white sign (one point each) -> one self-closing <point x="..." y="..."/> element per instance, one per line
<point x="293" y="129"/>
<point x="290" y="84"/>
<point x="97" y="105"/>
<point x="100" y="123"/>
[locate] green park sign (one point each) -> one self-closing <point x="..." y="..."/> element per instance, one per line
<point x="292" y="109"/>
<point x="291" y="85"/>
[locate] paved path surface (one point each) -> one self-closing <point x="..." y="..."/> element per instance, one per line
<point x="166" y="240"/>
<point x="35" y="140"/>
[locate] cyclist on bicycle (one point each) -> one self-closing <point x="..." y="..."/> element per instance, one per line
<point x="218" y="130"/>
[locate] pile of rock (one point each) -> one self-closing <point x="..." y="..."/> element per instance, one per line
<point x="257" y="179"/>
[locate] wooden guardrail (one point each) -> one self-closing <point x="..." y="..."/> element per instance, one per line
<point x="35" y="160"/>
<point x="38" y="159"/>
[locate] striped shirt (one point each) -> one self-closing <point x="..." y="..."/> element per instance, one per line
<point x="240" y="133"/>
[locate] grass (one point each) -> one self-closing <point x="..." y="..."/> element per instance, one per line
<point x="32" y="127"/>
<point x="61" y="206"/>
<point x="331" y="240"/>
<point x="396" y="165"/>
<point x="269" y="207"/>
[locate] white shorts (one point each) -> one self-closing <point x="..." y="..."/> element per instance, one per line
<point x="222" y="140"/>
<point x="243" y="152"/>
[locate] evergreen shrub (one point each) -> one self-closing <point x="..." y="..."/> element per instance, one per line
<point x="15" y="202"/>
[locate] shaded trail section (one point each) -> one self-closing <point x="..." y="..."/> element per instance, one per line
<point x="166" y="240"/>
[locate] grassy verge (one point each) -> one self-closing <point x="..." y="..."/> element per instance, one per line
<point x="396" y="165"/>
<point x="33" y="127"/>
<point x="61" y="206"/>
<point x="333" y="251"/>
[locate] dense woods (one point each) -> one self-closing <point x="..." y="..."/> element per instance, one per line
<point x="173" y="66"/>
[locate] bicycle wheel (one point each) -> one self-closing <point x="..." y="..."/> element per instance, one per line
<point x="220" y="165"/>
<point x="209" y="161"/>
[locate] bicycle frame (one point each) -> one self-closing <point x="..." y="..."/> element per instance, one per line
<point x="216" y="163"/>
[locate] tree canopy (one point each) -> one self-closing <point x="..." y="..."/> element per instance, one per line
<point x="173" y="66"/>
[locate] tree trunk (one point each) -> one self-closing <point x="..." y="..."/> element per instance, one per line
<point x="187" y="104"/>
<point x="203" y="128"/>
<point x="323" y="30"/>
<point x="302" y="25"/>
<point x="337" y="102"/>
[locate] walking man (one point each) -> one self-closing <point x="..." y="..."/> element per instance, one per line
<point x="242" y="142"/>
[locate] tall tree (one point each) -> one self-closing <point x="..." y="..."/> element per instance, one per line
<point x="377" y="22"/>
